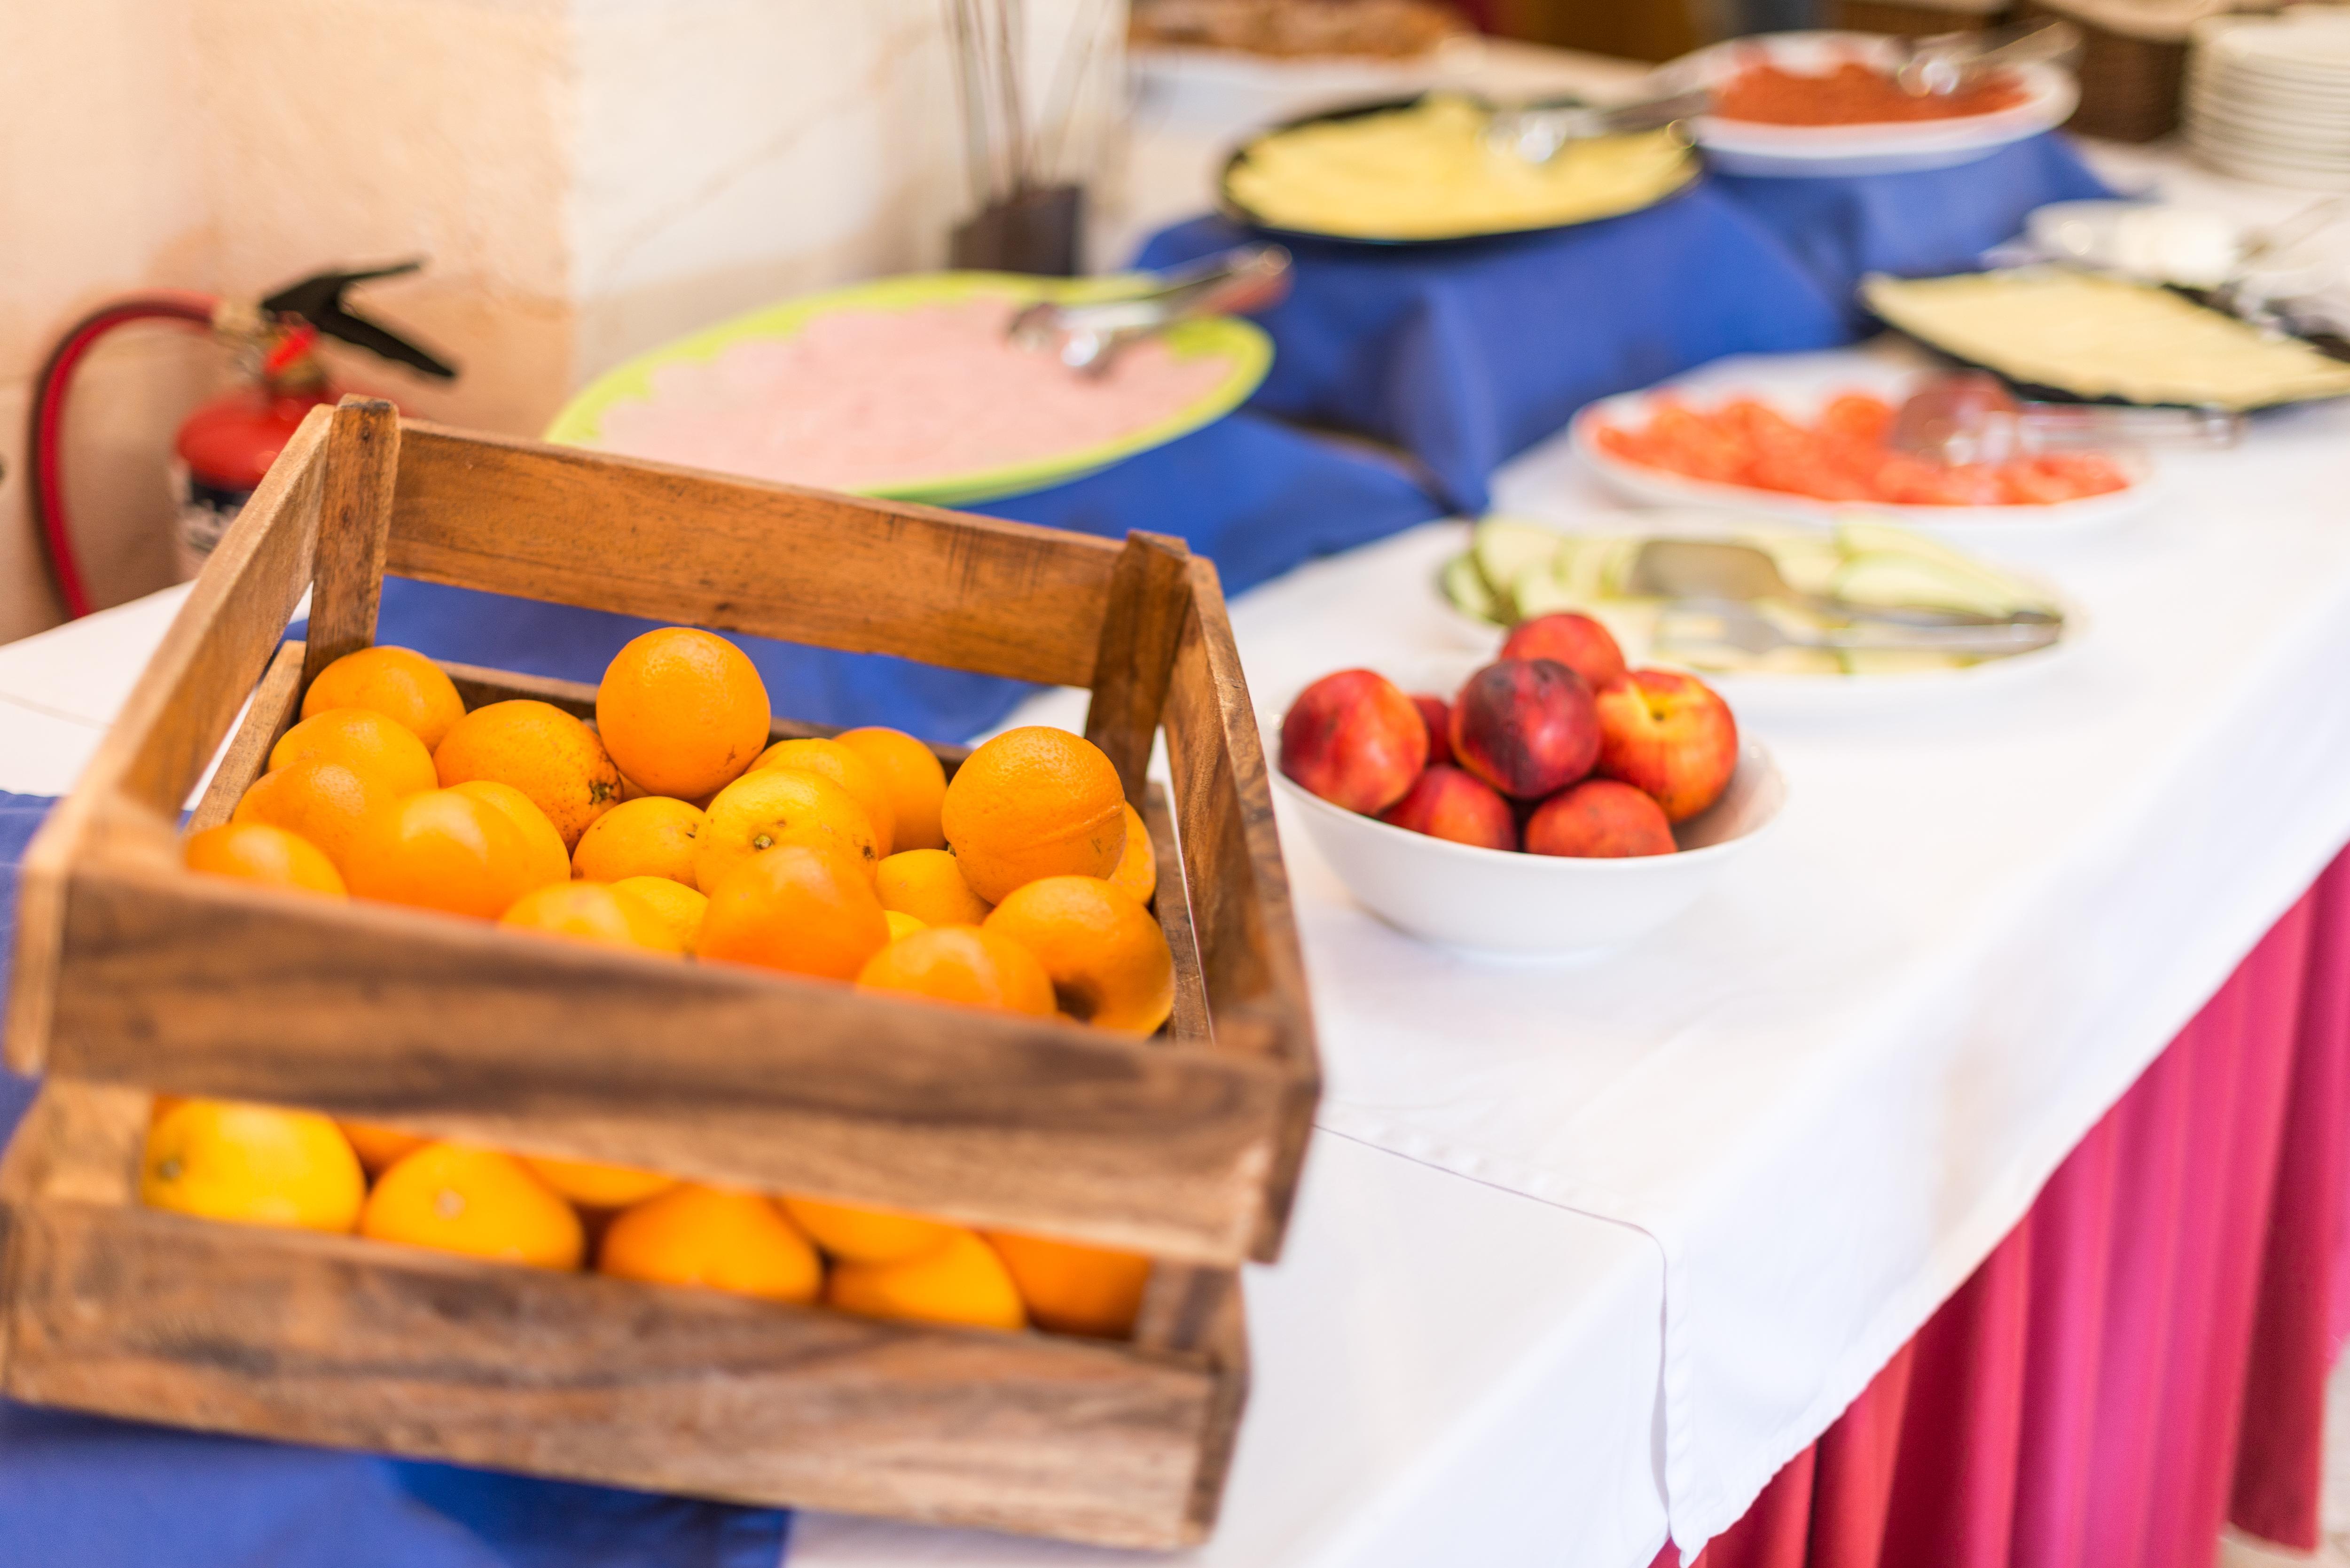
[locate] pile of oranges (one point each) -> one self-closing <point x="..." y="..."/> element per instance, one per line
<point x="670" y="825"/>
<point x="261" y="1165"/>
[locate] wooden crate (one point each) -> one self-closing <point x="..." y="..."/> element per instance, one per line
<point x="133" y="975"/>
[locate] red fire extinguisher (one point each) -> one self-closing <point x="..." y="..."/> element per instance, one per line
<point x="228" y="443"/>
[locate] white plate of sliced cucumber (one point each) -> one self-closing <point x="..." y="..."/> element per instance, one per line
<point x="1514" y="570"/>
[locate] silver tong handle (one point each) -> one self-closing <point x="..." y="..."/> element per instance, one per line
<point x="2051" y="426"/>
<point x="1539" y="132"/>
<point x="1234" y="282"/>
<point x="1946" y="62"/>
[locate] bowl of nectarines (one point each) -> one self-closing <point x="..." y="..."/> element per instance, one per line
<point x="1549" y="800"/>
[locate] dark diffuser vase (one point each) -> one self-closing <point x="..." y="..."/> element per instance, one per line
<point x="1034" y="231"/>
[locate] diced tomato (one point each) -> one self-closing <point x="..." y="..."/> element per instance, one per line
<point x="1842" y="456"/>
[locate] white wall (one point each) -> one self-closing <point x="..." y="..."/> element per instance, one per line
<point x="588" y="178"/>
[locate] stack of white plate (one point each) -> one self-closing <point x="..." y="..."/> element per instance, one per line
<point x="2268" y="97"/>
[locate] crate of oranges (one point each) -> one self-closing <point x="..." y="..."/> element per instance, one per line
<point x="627" y="1084"/>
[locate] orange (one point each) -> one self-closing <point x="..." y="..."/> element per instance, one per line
<point x="1033" y="802"/>
<point x="914" y="777"/>
<point x="806" y="911"/>
<point x="444" y="850"/>
<point x="256" y="851"/>
<point x="902" y="924"/>
<point x="1136" y="876"/>
<point x="927" y="884"/>
<point x="1071" y="1289"/>
<point x="326" y="803"/>
<point x="962" y="1281"/>
<point x="682" y="711"/>
<point x="550" y="861"/>
<point x="594" y="1186"/>
<point x="398" y="682"/>
<point x="381" y="1147"/>
<point x="719" y="1240"/>
<point x="163" y="1106"/>
<point x="1109" y="959"/>
<point x="590" y="912"/>
<point x="651" y="835"/>
<point x="360" y="739"/>
<point x="677" y="907"/>
<point x="454" y="1198"/>
<point x="965" y="964"/>
<point x="845" y="767"/>
<point x="540" y="750"/>
<point x="782" y="805"/>
<point x="866" y="1235"/>
<point x="254" y="1164"/>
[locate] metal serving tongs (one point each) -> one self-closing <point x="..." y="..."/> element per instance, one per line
<point x="1711" y="571"/>
<point x="1971" y="417"/>
<point x="1732" y="623"/>
<point x="1537" y="133"/>
<point x="1089" y="336"/>
<point x="1942" y="63"/>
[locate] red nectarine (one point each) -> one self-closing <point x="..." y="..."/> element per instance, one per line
<point x="1670" y="735"/>
<point x="1446" y="803"/>
<point x="1525" y="726"/>
<point x="1599" y="819"/>
<point x="1439" y="726"/>
<point x="1577" y="641"/>
<point x="1354" y="740"/>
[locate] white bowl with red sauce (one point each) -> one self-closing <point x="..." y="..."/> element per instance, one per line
<point x="2046" y="99"/>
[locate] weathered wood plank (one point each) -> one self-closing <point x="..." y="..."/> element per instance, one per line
<point x="352" y="1343"/>
<point x="1149" y="596"/>
<point x="362" y="462"/>
<point x="204" y="985"/>
<point x="808" y="565"/>
<point x="1253" y="973"/>
<point x="172" y="723"/>
<point x="275" y="702"/>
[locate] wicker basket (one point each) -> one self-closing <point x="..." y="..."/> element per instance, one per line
<point x="2130" y="86"/>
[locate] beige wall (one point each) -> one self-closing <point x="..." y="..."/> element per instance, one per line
<point x="586" y="178"/>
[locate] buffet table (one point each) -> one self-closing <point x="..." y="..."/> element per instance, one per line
<point x="1588" y="1254"/>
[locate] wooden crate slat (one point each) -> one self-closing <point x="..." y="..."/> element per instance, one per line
<point x="275" y="702"/>
<point x="362" y="462"/>
<point x="1150" y="595"/>
<point x="309" y="1338"/>
<point x="1252" y="971"/>
<point x="648" y="539"/>
<point x="204" y="985"/>
<point x="171" y="724"/>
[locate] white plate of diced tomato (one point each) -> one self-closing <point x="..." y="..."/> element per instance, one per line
<point x="1816" y="449"/>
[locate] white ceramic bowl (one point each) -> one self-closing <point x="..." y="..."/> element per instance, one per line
<point x="1498" y="901"/>
<point x="1746" y="147"/>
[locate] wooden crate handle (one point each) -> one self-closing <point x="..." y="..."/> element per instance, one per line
<point x="363" y="463"/>
<point x="1149" y="595"/>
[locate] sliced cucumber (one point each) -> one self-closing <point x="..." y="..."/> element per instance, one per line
<point x="1898" y="661"/>
<point x="1905" y="579"/>
<point x="1537" y="589"/>
<point x="1464" y="586"/>
<point x="1502" y="548"/>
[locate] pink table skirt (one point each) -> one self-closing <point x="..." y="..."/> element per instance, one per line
<point x="2145" y="1355"/>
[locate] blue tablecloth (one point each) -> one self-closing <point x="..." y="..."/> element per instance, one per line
<point x="1255" y="496"/>
<point x="81" y="1492"/>
<point x="1467" y="354"/>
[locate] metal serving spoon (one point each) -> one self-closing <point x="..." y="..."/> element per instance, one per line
<point x="1717" y="569"/>
<point x="1537" y="133"/>
<point x="1730" y="623"/>
<point x="1943" y="63"/>
<point x="1087" y="336"/>
<point x="1971" y="417"/>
